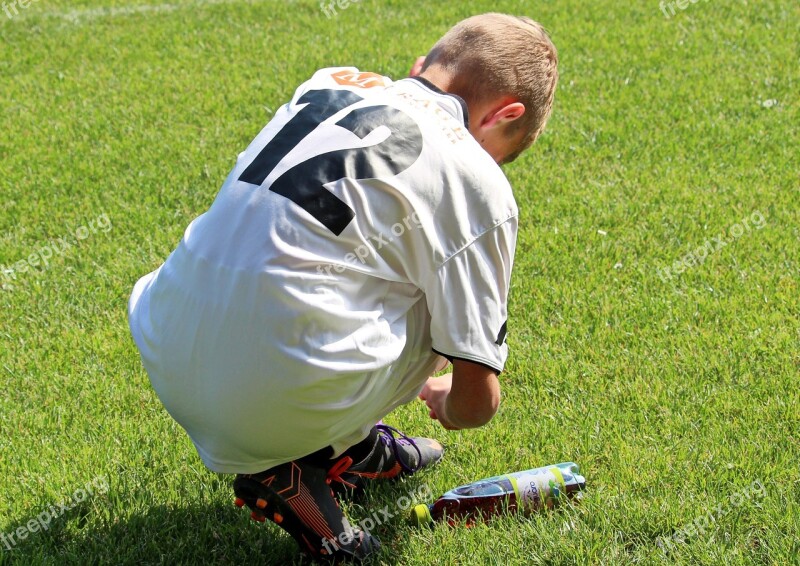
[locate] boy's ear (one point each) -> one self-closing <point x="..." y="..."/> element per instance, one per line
<point x="416" y="68"/>
<point x="502" y="114"/>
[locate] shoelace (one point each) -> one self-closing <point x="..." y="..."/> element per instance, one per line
<point x="386" y="434"/>
<point x="340" y="467"/>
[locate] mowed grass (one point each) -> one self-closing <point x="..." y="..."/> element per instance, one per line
<point x="676" y="391"/>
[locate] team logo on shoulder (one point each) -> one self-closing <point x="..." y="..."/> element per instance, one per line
<point x="361" y="80"/>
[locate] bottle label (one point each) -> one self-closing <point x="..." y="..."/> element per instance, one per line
<point x="538" y="488"/>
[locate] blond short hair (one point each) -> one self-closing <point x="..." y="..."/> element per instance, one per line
<point x="494" y="55"/>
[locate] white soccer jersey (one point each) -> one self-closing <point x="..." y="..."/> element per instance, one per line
<point x="362" y="232"/>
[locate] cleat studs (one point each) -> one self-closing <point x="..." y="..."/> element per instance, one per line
<point x="278" y="518"/>
<point x="261" y="503"/>
<point x="239" y="502"/>
<point x="257" y="517"/>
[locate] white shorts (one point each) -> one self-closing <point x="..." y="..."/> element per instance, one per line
<point x="250" y="404"/>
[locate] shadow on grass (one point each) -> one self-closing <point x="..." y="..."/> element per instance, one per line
<point x="97" y="533"/>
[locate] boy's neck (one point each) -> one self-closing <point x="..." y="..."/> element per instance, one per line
<point x="438" y="77"/>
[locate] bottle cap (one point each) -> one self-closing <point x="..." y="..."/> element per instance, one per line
<point x="421" y="515"/>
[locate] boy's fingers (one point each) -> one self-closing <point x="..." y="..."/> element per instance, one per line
<point x="426" y="390"/>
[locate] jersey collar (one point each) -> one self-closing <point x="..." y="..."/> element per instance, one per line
<point x="437" y="90"/>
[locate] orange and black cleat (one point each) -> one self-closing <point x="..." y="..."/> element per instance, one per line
<point x="297" y="497"/>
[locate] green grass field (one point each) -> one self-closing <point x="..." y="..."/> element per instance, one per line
<point x="671" y="378"/>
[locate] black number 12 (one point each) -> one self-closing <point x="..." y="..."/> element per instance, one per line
<point x="303" y="183"/>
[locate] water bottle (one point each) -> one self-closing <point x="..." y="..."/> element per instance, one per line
<point x="528" y="491"/>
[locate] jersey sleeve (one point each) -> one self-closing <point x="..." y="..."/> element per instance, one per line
<point x="468" y="299"/>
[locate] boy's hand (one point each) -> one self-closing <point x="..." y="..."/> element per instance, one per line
<point x="467" y="398"/>
<point x="435" y="393"/>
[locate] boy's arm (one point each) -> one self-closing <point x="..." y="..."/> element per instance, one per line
<point x="467" y="398"/>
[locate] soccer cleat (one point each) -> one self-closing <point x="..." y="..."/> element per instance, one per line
<point x="391" y="455"/>
<point x="412" y="454"/>
<point x="296" y="496"/>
